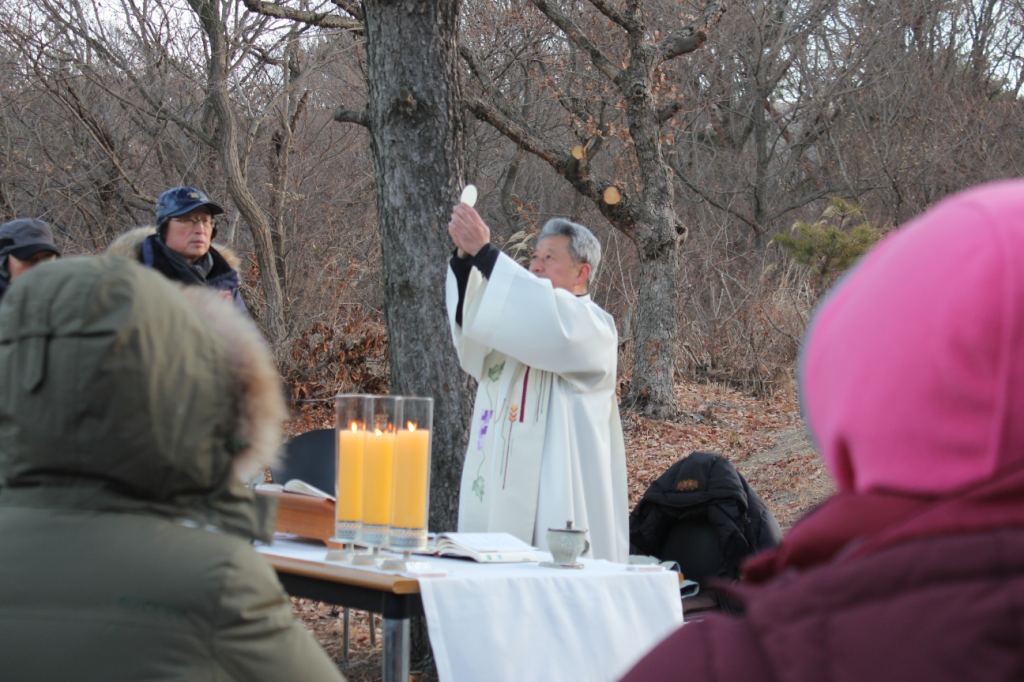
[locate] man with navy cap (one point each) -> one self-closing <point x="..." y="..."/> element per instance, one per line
<point x="24" y="243"/>
<point x="181" y="247"/>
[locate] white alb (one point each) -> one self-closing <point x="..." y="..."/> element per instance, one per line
<point x="546" y="443"/>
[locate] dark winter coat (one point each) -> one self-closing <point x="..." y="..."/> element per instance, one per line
<point x="143" y="244"/>
<point x="129" y="409"/>
<point x="705" y="486"/>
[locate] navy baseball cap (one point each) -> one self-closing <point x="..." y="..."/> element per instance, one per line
<point x="181" y="200"/>
<point x="25" y="237"/>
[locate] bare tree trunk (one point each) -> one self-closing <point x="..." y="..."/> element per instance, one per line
<point x="657" y="236"/>
<point x="418" y="137"/>
<point x="272" y="319"/>
<point x="761" y="159"/>
<point x="279" y="163"/>
<point x="417" y="130"/>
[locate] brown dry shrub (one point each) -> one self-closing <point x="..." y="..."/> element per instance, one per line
<point x="745" y="318"/>
<point x="324" y="361"/>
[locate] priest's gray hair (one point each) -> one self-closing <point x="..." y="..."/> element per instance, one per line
<point x="583" y="245"/>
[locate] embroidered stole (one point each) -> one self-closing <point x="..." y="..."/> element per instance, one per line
<point x="508" y="445"/>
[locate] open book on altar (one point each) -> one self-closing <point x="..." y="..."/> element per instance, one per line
<point x="298" y="487"/>
<point x="485" y="547"/>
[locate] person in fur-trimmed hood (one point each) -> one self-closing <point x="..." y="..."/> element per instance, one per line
<point x="181" y="245"/>
<point x="131" y="409"/>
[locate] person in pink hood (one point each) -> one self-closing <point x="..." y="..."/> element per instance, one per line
<point x="912" y="381"/>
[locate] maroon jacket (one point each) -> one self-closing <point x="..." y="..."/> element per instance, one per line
<point x="901" y="601"/>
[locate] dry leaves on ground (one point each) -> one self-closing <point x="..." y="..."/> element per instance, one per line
<point x="714" y="418"/>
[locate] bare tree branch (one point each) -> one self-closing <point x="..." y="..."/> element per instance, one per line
<point x="681" y="42"/>
<point x="100" y="135"/>
<point x="353" y="8"/>
<point x="754" y="225"/>
<point x="342" y="115"/>
<point x="264" y="55"/>
<point x="625" y="215"/>
<point x="160" y="114"/>
<point x="476" y="67"/>
<point x="310" y="68"/>
<point x="517" y="132"/>
<point x="606" y="8"/>
<point x="688" y="38"/>
<point x="591" y="143"/>
<point x="158" y="110"/>
<point x="779" y="329"/>
<point x="801" y="202"/>
<point x="573" y="33"/>
<point x="322" y="19"/>
<point x="498" y="101"/>
<point x="669" y="111"/>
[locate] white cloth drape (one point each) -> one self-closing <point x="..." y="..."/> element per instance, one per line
<point x="520" y="622"/>
<point x="523" y="622"/>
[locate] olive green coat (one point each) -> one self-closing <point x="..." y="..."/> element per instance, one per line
<point x="127" y="414"/>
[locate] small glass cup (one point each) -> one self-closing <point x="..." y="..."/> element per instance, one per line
<point x="378" y="454"/>
<point x="352" y="415"/>
<point x="410" y="481"/>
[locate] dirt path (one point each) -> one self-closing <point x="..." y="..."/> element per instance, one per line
<point x="764" y="439"/>
<point x="789" y="476"/>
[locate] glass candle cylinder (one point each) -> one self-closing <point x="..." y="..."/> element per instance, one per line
<point x="352" y="416"/>
<point x="411" y="477"/>
<point x="377" y="470"/>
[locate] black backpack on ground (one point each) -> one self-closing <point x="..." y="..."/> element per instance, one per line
<point x="702" y="514"/>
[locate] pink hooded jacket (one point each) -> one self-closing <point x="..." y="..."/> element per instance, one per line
<point x="913" y="385"/>
<point x="913" y="374"/>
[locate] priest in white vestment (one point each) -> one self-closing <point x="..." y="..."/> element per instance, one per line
<point x="546" y="442"/>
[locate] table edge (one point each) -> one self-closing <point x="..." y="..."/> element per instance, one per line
<point x="385" y="582"/>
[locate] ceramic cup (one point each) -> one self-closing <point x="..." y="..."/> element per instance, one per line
<point x="567" y="544"/>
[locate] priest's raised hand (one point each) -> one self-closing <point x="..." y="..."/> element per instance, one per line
<point x="468" y="230"/>
<point x="546" y="442"/>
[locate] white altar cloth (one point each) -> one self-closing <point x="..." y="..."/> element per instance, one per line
<point x="524" y="622"/>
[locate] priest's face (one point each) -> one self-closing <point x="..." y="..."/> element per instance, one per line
<point x="551" y="261"/>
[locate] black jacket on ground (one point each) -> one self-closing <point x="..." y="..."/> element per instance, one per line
<point x="704" y="488"/>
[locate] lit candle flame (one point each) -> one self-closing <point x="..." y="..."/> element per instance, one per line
<point x="410" y="426"/>
<point x="354" y="426"/>
<point x="379" y="432"/>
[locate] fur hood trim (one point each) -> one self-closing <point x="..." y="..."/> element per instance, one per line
<point x="129" y="245"/>
<point x="261" y="406"/>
